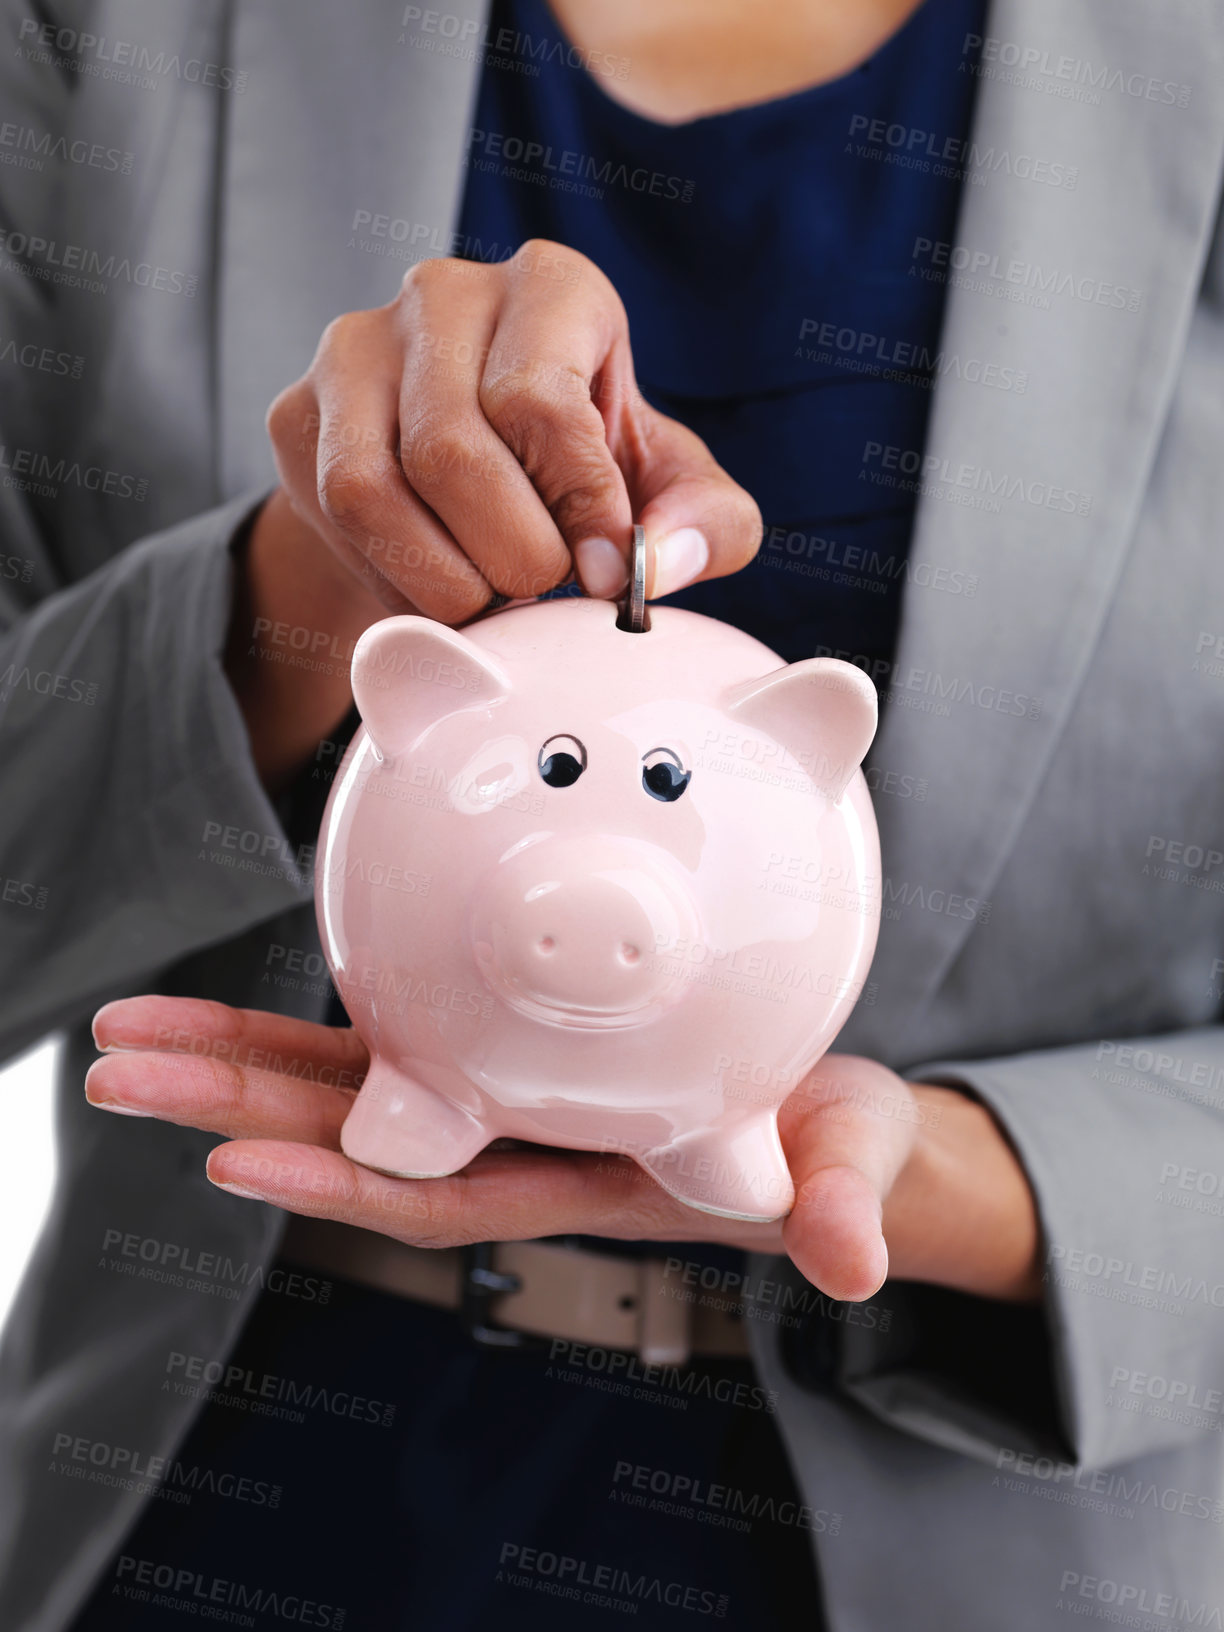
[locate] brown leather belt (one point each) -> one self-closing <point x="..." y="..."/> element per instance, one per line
<point x="533" y="1287"/>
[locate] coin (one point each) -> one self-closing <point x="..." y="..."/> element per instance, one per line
<point x="633" y="614"/>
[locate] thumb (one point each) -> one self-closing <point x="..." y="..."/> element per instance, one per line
<point x="699" y="523"/>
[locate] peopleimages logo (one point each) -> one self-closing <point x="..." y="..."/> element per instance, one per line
<point x="45" y="361"/>
<point x="1125" y="1596"/>
<point x="195" y="1269"/>
<point x="120" y="1467"/>
<point x="540" y="160"/>
<point x="680" y="1495"/>
<point x="1061" y="73"/>
<point x="1056" y="1481"/>
<point x="30" y="148"/>
<point x="991" y="268"/>
<point x="880" y="458"/>
<point x="28" y="466"/>
<point x="463" y="37"/>
<point x="921" y="147"/>
<point x="905" y="361"/>
<point x="563" y="1571"/>
<point x="122" y="60"/>
<point x="617" y="1371"/>
<point x="196" y="1374"/>
<point x="1067" y="1264"/>
<point x="76" y="265"/>
<point x="69" y="688"/>
<point x="1174" y="1392"/>
<point x="193" y="1592"/>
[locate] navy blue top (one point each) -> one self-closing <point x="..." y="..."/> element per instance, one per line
<point x="765" y="257"/>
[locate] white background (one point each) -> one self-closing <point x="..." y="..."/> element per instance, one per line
<point x="27" y="1160"/>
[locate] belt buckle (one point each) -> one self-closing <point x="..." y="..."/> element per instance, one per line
<point x="480" y="1282"/>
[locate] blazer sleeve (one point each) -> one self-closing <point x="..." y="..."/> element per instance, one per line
<point x="133" y="827"/>
<point x="1123" y="1144"/>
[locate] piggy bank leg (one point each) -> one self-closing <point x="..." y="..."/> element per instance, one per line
<point x="399" y="1126"/>
<point x="737" y="1172"/>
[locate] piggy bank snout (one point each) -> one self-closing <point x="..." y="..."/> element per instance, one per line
<point x="571" y="933"/>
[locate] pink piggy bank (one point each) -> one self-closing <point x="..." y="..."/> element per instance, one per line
<point x="597" y="889"/>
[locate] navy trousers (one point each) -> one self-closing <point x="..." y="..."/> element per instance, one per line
<point x="376" y="1469"/>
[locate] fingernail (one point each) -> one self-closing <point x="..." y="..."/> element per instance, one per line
<point x="102" y="1101"/>
<point x="110" y="1018"/>
<point x="679" y="558"/>
<point x="100" y="1086"/>
<point x="235" y="1189"/>
<point x="601" y="567"/>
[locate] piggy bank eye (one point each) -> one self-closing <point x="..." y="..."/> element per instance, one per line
<point x="562" y="761"/>
<point x="663" y="775"/>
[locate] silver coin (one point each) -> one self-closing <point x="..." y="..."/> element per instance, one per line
<point x="634" y="615"/>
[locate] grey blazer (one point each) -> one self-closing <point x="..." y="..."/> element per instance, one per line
<point x="1049" y="776"/>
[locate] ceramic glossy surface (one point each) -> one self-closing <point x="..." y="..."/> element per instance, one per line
<point x="599" y="890"/>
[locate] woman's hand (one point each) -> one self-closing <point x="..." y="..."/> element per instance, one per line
<point x="875" y="1160"/>
<point x="481" y="435"/>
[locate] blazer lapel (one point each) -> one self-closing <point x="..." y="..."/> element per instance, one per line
<point x="1089" y="290"/>
<point x="340" y="115"/>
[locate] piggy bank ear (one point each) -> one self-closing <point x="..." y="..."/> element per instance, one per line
<point x="822" y="710"/>
<point x="409" y="672"/>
